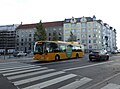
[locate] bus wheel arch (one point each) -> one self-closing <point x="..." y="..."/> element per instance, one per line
<point x="57" y="57"/>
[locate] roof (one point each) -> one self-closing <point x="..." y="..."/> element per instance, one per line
<point x="26" y="26"/>
<point x="78" y="19"/>
<point x="53" y="24"/>
<point x="45" y="25"/>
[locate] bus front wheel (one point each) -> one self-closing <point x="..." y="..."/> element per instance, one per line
<point x="57" y="57"/>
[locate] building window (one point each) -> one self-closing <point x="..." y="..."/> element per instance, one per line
<point x="60" y="29"/>
<point x="17" y="40"/>
<point x="17" y="48"/>
<point x="94" y="30"/>
<point x="94" y="35"/>
<point x="21" y="39"/>
<point x="29" y="46"/>
<point x="25" y="39"/>
<point x="54" y="29"/>
<point x="83" y="41"/>
<point x="95" y="24"/>
<point x="89" y="24"/>
<point x="90" y="46"/>
<point x="29" y="39"/>
<point x="83" y="35"/>
<point x="83" y="30"/>
<point x="94" y="41"/>
<point x="89" y="36"/>
<point x="83" y="25"/>
<point x="73" y="25"/>
<point x="17" y="44"/>
<point x="60" y="38"/>
<point x="22" y="44"/>
<point x="17" y="35"/>
<point x="89" y="41"/>
<point x="49" y="34"/>
<point x="78" y="26"/>
<point x="49" y="38"/>
<point x="67" y="26"/>
<point x="60" y="33"/>
<point x="89" y="30"/>
<point x="30" y="35"/>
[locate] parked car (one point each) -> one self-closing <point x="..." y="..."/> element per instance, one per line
<point x="15" y="53"/>
<point x="114" y="52"/>
<point x="98" y="55"/>
<point x="20" y="53"/>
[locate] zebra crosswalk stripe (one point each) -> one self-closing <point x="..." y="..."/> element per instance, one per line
<point x="18" y="69"/>
<point x="111" y="86"/>
<point x="50" y="82"/>
<point x="24" y="71"/>
<point x="30" y="74"/>
<point x="7" y="63"/>
<point x="77" y="83"/>
<point x="12" y="64"/>
<point x="37" y="78"/>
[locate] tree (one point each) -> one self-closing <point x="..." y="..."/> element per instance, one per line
<point x="55" y="36"/>
<point x="72" y="37"/>
<point x="40" y="34"/>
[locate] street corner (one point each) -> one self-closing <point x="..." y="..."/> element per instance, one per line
<point x="5" y="83"/>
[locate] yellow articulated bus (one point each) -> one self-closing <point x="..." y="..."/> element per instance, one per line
<point x="57" y="50"/>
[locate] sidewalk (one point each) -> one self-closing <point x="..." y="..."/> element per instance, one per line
<point x="15" y="59"/>
<point x="5" y="83"/>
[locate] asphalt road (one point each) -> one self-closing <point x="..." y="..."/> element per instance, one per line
<point x="67" y="74"/>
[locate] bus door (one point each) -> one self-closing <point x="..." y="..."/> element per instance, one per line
<point x="51" y="50"/>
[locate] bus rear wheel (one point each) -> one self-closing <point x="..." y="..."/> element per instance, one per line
<point x="57" y="57"/>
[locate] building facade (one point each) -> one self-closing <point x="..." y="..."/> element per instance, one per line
<point x="25" y="34"/>
<point x="92" y="33"/>
<point x="7" y="38"/>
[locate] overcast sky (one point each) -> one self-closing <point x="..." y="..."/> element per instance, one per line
<point x="32" y="11"/>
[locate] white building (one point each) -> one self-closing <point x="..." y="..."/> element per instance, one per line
<point x="92" y="33"/>
<point x="25" y="34"/>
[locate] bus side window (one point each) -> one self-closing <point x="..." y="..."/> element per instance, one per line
<point x="62" y="48"/>
<point x="54" y="47"/>
<point x="38" y="49"/>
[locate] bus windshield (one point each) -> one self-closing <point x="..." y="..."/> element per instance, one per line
<point x="38" y="48"/>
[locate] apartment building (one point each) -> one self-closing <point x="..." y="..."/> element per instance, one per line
<point x="25" y="34"/>
<point x="92" y="33"/>
<point x="7" y="38"/>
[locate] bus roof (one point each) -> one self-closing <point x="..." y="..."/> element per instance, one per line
<point x="77" y="43"/>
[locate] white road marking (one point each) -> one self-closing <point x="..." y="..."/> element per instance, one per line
<point x="37" y="78"/>
<point x="76" y="84"/>
<point x="50" y="82"/>
<point x="30" y="74"/>
<point x="87" y="66"/>
<point x="24" y="71"/>
<point x="12" y="64"/>
<point x="111" y="86"/>
<point x="21" y="68"/>
<point x="16" y="67"/>
<point x="8" y="63"/>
